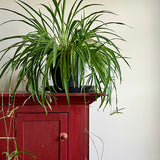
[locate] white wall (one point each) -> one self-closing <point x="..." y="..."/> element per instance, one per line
<point x="133" y="135"/>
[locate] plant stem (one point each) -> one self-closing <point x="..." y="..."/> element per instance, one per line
<point x="86" y="132"/>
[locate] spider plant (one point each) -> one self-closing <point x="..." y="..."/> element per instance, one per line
<point x="15" y="154"/>
<point x="66" y="44"/>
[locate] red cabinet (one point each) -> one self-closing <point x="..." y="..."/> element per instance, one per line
<point x="59" y="135"/>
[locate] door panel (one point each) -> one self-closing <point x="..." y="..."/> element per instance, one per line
<point x="40" y="134"/>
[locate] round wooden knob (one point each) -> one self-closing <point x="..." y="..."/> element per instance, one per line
<point x="63" y="136"/>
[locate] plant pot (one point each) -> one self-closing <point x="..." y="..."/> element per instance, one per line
<point x="57" y="84"/>
<point x="86" y="89"/>
<point x="73" y="87"/>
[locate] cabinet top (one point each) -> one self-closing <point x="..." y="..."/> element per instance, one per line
<point x="26" y="94"/>
<point x="75" y="98"/>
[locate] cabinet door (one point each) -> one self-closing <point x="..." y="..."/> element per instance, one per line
<point x="40" y="134"/>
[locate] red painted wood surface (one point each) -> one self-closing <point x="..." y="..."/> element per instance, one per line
<point x="40" y="135"/>
<point x="30" y="120"/>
